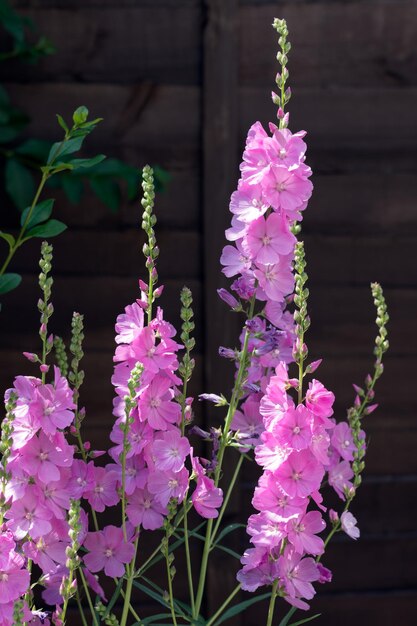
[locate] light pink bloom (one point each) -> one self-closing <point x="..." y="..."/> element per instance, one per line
<point x="349" y="525"/>
<point x="53" y="404"/>
<point x="43" y="455"/>
<point x="302" y="533"/>
<point x="207" y="498"/>
<point x="298" y="574"/>
<point x="294" y="429"/>
<point x="268" y="239"/>
<point x="14" y="581"/>
<point x="139" y="435"/>
<point x="276" y="280"/>
<point x="143" y="509"/>
<point x="342" y="441"/>
<point x="320" y="401"/>
<point x="248" y="423"/>
<point x="258" y="569"/>
<point x="47" y="552"/>
<point x="168" y="484"/>
<point x="247" y="203"/>
<point x="269" y="496"/>
<point x="287" y="148"/>
<point x="29" y="516"/>
<point x="300" y="474"/>
<point x="266" y="529"/>
<point x="270" y="454"/>
<point x="339" y="476"/>
<point x="108" y="551"/>
<point x="129" y="324"/>
<point x="234" y="260"/>
<point x="156" y="406"/>
<point x="285" y="190"/>
<point x="170" y="451"/>
<point x="102" y="492"/>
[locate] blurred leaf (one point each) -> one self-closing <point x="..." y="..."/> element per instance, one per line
<point x="227" y="530"/>
<point x="161" y="178"/>
<point x="40" y="213"/>
<point x="62" y="123"/>
<point x="306" y="620"/>
<point x="13" y="122"/>
<point x="238" y="608"/>
<point x="35" y="148"/>
<point x="73" y="187"/>
<point x="19" y="183"/>
<point x="62" y="148"/>
<point x="107" y="190"/>
<point x="8" y="282"/>
<point x="9" y="238"/>
<point x="80" y="115"/>
<point x="49" y="229"/>
<point x="85" y="163"/>
<point x="288" y="616"/>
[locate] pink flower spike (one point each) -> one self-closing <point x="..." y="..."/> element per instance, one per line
<point x="349" y="525"/>
<point x="108" y="551"/>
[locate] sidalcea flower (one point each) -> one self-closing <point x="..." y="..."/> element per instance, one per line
<point x="170" y="451"/>
<point x="42" y="456"/>
<point x="101" y="492"/>
<point x="207" y="498"/>
<point x="144" y="509"/>
<point x="266" y="240"/>
<point x="156" y="405"/>
<point x="302" y="533"/>
<point x="29" y="516"/>
<point x="349" y="522"/>
<point x="14" y="579"/>
<point x="168" y="484"/>
<point x="108" y="551"/>
<point x="297" y="574"/>
<point x="342" y="441"/>
<point x="300" y="474"/>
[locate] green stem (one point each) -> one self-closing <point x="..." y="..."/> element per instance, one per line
<point x="87" y="593"/>
<point x="223" y="444"/>
<point x="227" y="497"/>
<point x="18" y="241"/>
<point x="80" y="608"/>
<point x="188" y="558"/>
<point x="170" y="589"/>
<point x="223" y="606"/>
<point x="130" y="569"/>
<point x="272" y="603"/>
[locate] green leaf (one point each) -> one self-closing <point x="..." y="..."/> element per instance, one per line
<point x="152" y="619"/>
<point x="107" y="190"/>
<point x="80" y="115"/>
<point x="306" y="620"/>
<point x="49" y="229"/>
<point x="35" y="148"/>
<point x="19" y="183"/>
<point x="227" y="530"/>
<point x="40" y="213"/>
<point x="62" y="148"/>
<point x="8" y="282"/>
<point x="161" y="177"/>
<point x="73" y="187"/>
<point x="77" y="163"/>
<point x="238" y="608"/>
<point x="62" y="123"/>
<point x="288" y="616"/>
<point x="9" y="238"/>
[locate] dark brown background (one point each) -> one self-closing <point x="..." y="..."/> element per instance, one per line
<point x="178" y="83"/>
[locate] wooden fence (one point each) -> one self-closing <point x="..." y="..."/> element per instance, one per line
<point x="178" y="83"/>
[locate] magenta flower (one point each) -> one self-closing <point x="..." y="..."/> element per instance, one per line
<point x="302" y="533"/>
<point x="247" y="203"/>
<point x="276" y="280"/>
<point x="129" y="324"/>
<point x="300" y="474"/>
<point x="14" y="581"/>
<point x="266" y="529"/>
<point x="269" y="496"/>
<point x="339" y="476"/>
<point x="144" y="509"/>
<point x="270" y="454"/>
<point x="170" y="451"/>
<point x="294" y="429"/>
<point x="234" y="260"/>
<point x="108" y="551"/>
<point x="168" y="484"/>
<point x="156" y="406"/>
<point x="102" y="492"/>
<point x="28" y="516"/>
<point x="207" y="498"/>
<point x="342" y="441"/>
<point x="268" y="239"/>
<point x="320" y="401"/>
<point x="285" y="190"/>
<point x="47" y="552"/>
<point x="349" y="525"/>
<point x="298" y="574"/>
<point x="248" y="423"/>
<point x="53" y="405"/>
<point x="43" y="455"/>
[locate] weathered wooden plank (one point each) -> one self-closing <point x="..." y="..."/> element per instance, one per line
<point x="346" y="118"/>
<point x="118" y="46"/>
<point x="344" y="609"/>
<point x="360" y="260"/>
<point x="220" y="140"/>
<point x="118" y="253"/>
<point x="334" y="44"/>
<point x="145" y="116"/>
<point x="102" y="4"/>
<point x="99" y="298"/>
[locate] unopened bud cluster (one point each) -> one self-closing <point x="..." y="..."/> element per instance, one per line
<point x="282" y="56"/>
<point x="61" y="355"/>
<point x="300" y="300"/>
<point x="150" y="249"/>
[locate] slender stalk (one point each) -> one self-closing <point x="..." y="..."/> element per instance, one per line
<point x="188" y="559"/>
<point x="227" y="497"/>
<point x="18" y="242"/>
<point x="129" y="585"/>
<point x="223" y="606"/>
<point x="272" y="603"/>
<point x="80" y="608"/>
<point x="223" y="444"/>
<point x="170" y="589"/>
<point x="88" y="596"/>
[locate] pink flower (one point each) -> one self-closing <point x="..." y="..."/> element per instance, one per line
<point x="298" y="574"/>
<point x="339" y="476"/>
<point x="320" y="401"/>
<point x="43" y="455"/>
<point x="47" y="552"/>
<point x="302" y="533"/>
<point x="53" y="405"/>
<point x="342" y="441"/>
<point x="143" y="509"/>
<point x="108" y="551"/>
<point x="248" y="423"/>
<point x="294" y="429"/>
<point x="14" y="581"/>
<point x="234" y="260"/>
<point x="29" y="516"/>
<point x="275" y="280"/>
<point x="168" y="484"/>
<point x="207" y="498"/>
<point x="170" y="451"/>
<point x="349" y="525"/>
<point x="269" y="496"/>
<point x="102" y="492"/>
<point x="300" y="474"/>
<point x="266" y="529"/>
<point x="139" y="435"/>
<point x="287" y="148"/>
<point x="156" y="406"/>
<point x="268" y="239"/>
<point x="129" y="324"/>
<point x="247" y="203"/>
<point x="285" y="190"/>
<point x="270" y="454"/>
